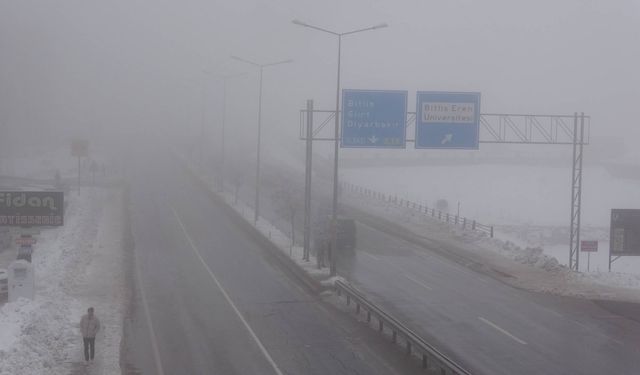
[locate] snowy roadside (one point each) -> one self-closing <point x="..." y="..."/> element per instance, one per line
<point x="76" y="266"/>
<point x="281" y="240"/>
<point x="526" y="268"/>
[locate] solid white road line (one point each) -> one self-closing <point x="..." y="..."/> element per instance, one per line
<point x="229" y="300"/>
<point x="152" y="332"/>
<point x="417" y="282"/>
<point x="504" y="331"/>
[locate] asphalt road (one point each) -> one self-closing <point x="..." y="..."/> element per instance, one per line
<point x="488" y="326"/>
<point x="481" y="322"/>
<point x="209" y="300"/>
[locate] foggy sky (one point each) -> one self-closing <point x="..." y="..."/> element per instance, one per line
<point x="128" y="68"/>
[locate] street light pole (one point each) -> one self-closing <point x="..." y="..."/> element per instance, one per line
<point x="256" y="211"/>
<point x="224" y="117"/>
<point x="336" y="148"/>
<point x="261" y="66"/>
<point x="336" y="144"/>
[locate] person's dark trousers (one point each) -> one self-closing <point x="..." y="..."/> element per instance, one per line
<point x="89" y="345"/>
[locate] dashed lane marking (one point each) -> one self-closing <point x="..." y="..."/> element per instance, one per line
<point x="371" y="256"/>
<point x="502" y="330"/>
<point x="418" y="282"/>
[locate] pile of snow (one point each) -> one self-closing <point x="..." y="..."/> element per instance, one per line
<point x="41" y="336"/>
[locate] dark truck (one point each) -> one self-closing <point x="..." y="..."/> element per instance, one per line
<point x="346" y="228"/>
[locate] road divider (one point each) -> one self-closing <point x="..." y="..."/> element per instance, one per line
<point x="431" y="357"/>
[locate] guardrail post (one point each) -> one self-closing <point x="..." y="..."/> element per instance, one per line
<point x="447" y="218"/>
<point x="425" y="361"/>
<point x="380" y="325"/>
<point x="394" y="336"/>
<point x="473" y="225"/>
<point x="358" y="308"/>
<point x="408" y="347"/>
<point x="439" y="215"/>
<point x="464" y="223"/>
<point x="457" y="219"/>
<point x="348" y="299"/>
<point x="368" y="316"/>
<point x="492" y="231"/>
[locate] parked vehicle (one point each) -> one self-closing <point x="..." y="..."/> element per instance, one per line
<point x="24" y="252"/>
<point x="4" y="283"/>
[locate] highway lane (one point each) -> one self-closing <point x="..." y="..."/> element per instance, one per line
<point x="484" y="323"/>
<point x="210" y="300"/>
<point x="487" y="325"/>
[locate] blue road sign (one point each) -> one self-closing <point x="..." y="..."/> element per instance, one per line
<point x="374" y="119"/>
<point x="448" y="120"/>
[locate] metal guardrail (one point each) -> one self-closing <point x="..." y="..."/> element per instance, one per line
<point x="434" y="213"/>
<point x="431" y="357"/>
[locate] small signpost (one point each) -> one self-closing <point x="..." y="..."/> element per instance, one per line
<point x="79" y="149"/>
<point x="624" y="237"/>
<point x="447" y="120"/>
<point x="374" y="119"/>
<point x="26" y="241"/>
<point x="588" y="247"/>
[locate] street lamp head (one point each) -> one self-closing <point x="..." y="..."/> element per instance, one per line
<point x="380" y="26"/>
<point x="298" y="22"/>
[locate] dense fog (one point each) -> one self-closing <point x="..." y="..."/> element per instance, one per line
<point x="131" y="69"/>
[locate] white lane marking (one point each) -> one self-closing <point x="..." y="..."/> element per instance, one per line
<point x="555" y="313"/>
<point x="371" y="256"/>
<point x="229" y="300"/>
<point x="417" y="282"/>
<point x="504" y="331"/>
<point x="152" y="332"/>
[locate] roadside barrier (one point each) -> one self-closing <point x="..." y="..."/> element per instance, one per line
<point x="459" y="221"/>
<point x="414" y="344"/>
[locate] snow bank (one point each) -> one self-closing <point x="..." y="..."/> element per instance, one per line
<point x="275" y="235"/>
<point x="42" y="336"/>
<point x="525" y="267"/>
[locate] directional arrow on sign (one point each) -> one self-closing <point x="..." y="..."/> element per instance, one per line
<point x="373" y="139"/>
<point x="447" y="139"/>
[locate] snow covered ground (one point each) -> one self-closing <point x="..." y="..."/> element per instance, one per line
<point x="524" y="267"/>
<point x="76" y="266"/>
<point x="523" y="202"/>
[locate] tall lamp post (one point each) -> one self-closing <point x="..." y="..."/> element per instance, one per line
<point x="261" y="66"/>
<point x="334" y="207"/>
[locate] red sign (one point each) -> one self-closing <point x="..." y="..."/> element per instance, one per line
<point x="80" y="148"/>
<point x="589" y="246"/>
<point x="25" y="241"/>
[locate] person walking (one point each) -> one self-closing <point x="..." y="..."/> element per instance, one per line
<point x="89" y="326"/>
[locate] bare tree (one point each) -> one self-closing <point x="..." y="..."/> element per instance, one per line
<point x="238" y="175"/>
<point x="288" y="202"/>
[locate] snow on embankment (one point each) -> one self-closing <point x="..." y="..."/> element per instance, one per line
<point x="528" y="268"/>
<point x="77" y="265"/>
